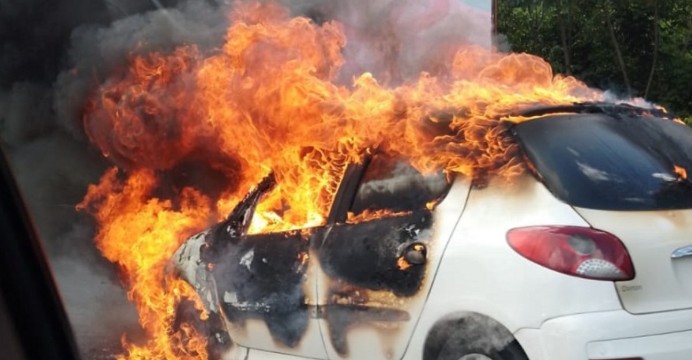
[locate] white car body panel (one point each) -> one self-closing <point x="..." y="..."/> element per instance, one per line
<point x="523" y="294"/>
<point x="480" y="246"/>
<point x="661" y="282"/>
<point x="611" y="335"/>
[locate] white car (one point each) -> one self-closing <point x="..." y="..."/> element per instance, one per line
<point x="586" y="256"/>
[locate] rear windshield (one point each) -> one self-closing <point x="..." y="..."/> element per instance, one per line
<point x="621" y="162"/>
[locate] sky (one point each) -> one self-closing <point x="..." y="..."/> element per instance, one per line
<point x="481" y="4"/>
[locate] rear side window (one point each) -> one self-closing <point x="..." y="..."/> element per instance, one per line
<point x="391" y="183"/>
<point x="623" y="162"/>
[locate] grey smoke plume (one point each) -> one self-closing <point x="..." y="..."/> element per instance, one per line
<point x="397" y="39"/>
<point x="99" y="52"/>
<point x="53" y="54"/>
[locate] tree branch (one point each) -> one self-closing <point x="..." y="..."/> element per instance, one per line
<point x="618" y="54"/>
<point x="654" y="60"/>
<point x="565" y="45"/>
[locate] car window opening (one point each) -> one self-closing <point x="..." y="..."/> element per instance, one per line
<point x="391" y="186"/>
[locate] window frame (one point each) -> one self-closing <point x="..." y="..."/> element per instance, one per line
<point x="350" y="184"/>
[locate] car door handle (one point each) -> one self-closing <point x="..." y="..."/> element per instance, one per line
<point x="685" y="251"/>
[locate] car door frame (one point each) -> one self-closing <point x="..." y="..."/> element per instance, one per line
<point x="246" y="325"/>
<point x="335" y="343"/>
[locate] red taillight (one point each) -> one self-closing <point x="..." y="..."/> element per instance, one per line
<point x="574" y="250"/>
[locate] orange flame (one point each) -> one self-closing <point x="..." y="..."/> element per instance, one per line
<point x="372" y="214"/>
<point x="139" y="233"/>
<point x="680" y="171"/>
<point x="268" y="101"/>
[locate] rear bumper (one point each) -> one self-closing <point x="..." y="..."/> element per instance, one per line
<point x="611" y="335"/>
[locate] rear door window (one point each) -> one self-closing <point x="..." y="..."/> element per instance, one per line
<point x="391" y="183"/>
<point x="623" y="162"/>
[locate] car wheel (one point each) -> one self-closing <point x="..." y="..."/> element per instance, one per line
<point x="471" y="336"/>
<point x="457" y="348"/>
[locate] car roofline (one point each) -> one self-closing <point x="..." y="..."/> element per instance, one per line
<point x="590" y="108"/>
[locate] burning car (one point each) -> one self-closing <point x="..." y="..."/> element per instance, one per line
<point x="587" y="255"/>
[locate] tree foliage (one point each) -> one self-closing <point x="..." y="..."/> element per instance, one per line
<point x="631" y="47"/>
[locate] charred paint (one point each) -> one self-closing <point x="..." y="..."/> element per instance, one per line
<point x="368" y="284"/>
<point x="262" y="276"/>
<point x="366" y="254"/>
<point x="342" y="317"/>
<point x="373" y="265"/>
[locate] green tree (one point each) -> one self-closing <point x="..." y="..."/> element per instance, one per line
<point x="637" y="48"/>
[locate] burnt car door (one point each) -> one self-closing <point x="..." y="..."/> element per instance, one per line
<point x="375" y="261"/>
<point x="263" y="282"/>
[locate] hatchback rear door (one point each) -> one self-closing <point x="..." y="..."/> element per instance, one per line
<point x="625" y="173"/>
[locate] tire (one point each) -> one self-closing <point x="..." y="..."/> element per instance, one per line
<point x="472" y="337"/>
<point x="456" y="349"/>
